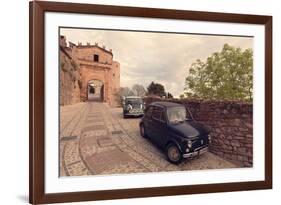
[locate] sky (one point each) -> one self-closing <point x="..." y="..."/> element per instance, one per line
<point x="160" y="57"/>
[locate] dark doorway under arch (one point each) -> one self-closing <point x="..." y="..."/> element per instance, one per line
<point x="95" y="91"/>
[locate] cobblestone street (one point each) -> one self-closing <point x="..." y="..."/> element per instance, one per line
<point x="95" y="139"/>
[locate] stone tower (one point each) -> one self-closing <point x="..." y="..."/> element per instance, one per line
<point x="95" y="64"/>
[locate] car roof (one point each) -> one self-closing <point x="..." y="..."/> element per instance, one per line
<point x="166" y="104"/>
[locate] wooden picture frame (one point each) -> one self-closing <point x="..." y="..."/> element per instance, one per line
<point x="37" y="10"/>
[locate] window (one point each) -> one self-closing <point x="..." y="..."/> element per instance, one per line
<point x="163" y="117"/>
<point x="96" y="58"/>
<point x="177" y="114"/>
<point x="156" y="113"/>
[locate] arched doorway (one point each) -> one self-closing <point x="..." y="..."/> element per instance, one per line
<point x="95" y="91"/>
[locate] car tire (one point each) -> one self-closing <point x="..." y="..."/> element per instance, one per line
<point x="124" y="116"/>
<point x="142" y="131"/>
<point x="174" y="154"/>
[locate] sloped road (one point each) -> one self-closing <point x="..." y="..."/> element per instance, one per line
<point x="95" y="139"/>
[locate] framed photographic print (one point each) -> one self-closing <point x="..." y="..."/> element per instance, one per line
<point x="139" y="102"/>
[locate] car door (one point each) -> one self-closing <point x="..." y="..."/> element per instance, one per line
<point x="159" y="126"/>
<point x="148" y="120"/>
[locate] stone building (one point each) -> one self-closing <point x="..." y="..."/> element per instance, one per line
<point x="70" y="82"/>
<point x="97" y="70"/>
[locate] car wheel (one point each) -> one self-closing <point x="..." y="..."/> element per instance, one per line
<point x="142" y="131"/>
<point x="173" y="153"/>
<point x="124" y="116"/>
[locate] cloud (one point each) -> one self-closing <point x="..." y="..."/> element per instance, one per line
<point x="160" y="57"/>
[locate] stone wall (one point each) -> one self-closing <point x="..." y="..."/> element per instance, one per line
<point x="69" y="79"/>
<point x="231" y="127"/>
<point x="87" y="53"/>
<point x="115" y="82"/>
<point x="105" y="70"/>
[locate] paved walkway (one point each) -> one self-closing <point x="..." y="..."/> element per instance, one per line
<point x="95" y="139"/>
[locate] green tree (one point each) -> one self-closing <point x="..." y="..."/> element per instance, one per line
<point x="225" y="75"/>
<point x="182" y="96"/>
<point x="156" y="89"/>
<point x="169" y="95"/>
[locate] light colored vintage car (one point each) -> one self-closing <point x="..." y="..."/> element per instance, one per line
<point x="133" y="106"/>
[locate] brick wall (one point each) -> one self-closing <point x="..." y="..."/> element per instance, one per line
<point x="231" y="127"/>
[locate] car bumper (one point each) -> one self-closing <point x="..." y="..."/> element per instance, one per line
<point x="197" y="152"/>
<point x="134" y="113"/>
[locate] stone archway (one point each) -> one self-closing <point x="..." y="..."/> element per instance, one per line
<point x="95" y="91"/>
<point x="90" y="76"/>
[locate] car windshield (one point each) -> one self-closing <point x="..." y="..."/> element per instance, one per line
<point x="134" y="101"/>
<point x="177" y="114"/>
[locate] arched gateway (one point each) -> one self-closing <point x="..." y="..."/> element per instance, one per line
<point x="96" y="64"/>
<point x="95" y="91"/>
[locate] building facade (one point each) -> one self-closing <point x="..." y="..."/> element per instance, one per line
<point x="96" y="64"/>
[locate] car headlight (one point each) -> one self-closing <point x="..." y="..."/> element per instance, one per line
<point x="189" y="143"/>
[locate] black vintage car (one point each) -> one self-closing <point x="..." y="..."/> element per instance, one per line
<point x="172" y="128"/>
<point x="133" y="106"/>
